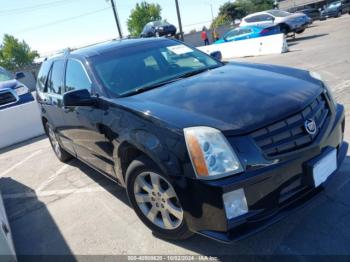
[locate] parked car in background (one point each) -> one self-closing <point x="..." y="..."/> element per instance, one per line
<point x="248" y="32"/>
<point x="201" y="146"/>
<point x="336" y="9"/>
<point x="158" y="28"/>
<point x="313" y="13"/>
<point x="13" y="92"/>
<point x="288" y="22"/>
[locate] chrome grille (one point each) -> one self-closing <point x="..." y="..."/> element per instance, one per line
<point x="290" y="134"/>
<point x="7" y="97"/>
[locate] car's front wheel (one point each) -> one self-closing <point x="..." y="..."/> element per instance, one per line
<point x="155" y="201"/>
<point x="61" y="154"/>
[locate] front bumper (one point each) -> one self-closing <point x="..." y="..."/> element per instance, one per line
<point x="271" y="190"/>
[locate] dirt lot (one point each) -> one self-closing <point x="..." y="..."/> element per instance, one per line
<point x="57" y="208"/>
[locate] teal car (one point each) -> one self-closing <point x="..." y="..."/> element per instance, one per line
<point x="248" y="32"/>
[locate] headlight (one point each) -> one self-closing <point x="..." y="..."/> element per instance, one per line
<point x="326" y="87"/>
<point x="21" y="90"/>
<point x="210" y="153"/>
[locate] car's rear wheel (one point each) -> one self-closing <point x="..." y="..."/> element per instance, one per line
<point x="61" y="154"/>
<point x="155" y="201"/>
<point x="339" y="14"/>
<point x="284" y="29"/>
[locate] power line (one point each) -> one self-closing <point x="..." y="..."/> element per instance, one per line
<point x="61" y="20"/>
<point x="22" y="10"/>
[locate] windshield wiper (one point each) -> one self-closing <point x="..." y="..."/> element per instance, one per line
<point x="146" y="88"/>
<point x="162" y="83"/>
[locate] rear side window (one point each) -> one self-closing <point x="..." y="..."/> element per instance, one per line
<point x="266" y="18"/>
<point x="252" y="19"/>
<point x="76" y="77"/>
<point x="42" y="76"/>
<point x="55" y="83"/>
<point x="245" y="31"/>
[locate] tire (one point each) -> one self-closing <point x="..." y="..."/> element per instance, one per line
<point x="157" y="34"/>
<point x="60" y="153"/>
<point x="284" y="29"/>
<point x="339" y="14"/>
<point x="159" y="211"/>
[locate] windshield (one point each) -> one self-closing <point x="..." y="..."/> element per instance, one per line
<point x="160" y="23"/>
<point x="4" y="75"/>
<point x="279" y="13"/>
<point x="334" y="4"/>
<point x="126" y="70"/>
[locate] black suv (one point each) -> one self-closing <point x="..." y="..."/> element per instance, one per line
<point x="158" y="28"/>
<point x="220" y="149"/>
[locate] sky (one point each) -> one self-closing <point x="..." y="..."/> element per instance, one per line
<point x="49" y="26"/>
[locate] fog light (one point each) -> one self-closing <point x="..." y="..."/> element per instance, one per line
<point x="235" y="203"/>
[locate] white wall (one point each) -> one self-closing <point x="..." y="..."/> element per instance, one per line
<point x="20" y="123"/>
<point x="6" y="245"/>
<point x="274" y="44"/>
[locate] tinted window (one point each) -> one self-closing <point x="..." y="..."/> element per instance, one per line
<point x="266" y="18"/>
<point x="76" y="77"/>
<point x="231" y="34"/>
<point x="279" y="13"/>
<point x="56" y="80"/>
<point x="42" y="76"/>
<point x="252" y="19"/>
<point x="244" y="31"/>
<point x="4" y="75"/>
<point x="124" y="70"/>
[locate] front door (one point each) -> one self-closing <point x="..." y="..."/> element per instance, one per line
<point x="83" y="124"/>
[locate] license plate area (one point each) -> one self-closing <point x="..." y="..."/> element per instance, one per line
<point x="324" y="167"/>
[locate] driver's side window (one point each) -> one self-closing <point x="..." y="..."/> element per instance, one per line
<point x="76" y="77"/>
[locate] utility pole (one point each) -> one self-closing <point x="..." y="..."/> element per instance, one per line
<point x="212" y="13"/>
<point x="116" y="19"/>
<point x="179" y="19"/>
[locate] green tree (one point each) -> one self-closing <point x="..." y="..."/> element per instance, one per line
<point x="141" y="15"/>
<point x="15" y="54"/>
<point x="228" y="12"/>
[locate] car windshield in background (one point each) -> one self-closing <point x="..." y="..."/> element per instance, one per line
<point x="160" y="23"/>
<point x="5" y="76"/>
<point x="334" y="4"/>
<point x="278" y="13"/>
<point x="129" y="72"/>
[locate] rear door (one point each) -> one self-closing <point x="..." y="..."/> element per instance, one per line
<point x="83" y="124"/>
<point x="52" y="102"/>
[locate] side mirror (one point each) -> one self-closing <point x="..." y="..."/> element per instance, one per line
<point x="20" y="75"/>
<point x="217" y="55"/>
<point x="78" y="98"/>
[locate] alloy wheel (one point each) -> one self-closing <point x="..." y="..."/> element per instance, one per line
<point x="54" y="142"/>
<point x="158" y="201"/>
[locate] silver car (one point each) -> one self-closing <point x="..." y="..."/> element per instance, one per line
<point x="288" y="22"/>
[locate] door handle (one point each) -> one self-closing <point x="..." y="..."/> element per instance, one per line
<point x="5" y="228"/>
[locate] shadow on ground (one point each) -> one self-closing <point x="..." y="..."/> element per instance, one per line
<point x="321" y="228"/>
<point x="35" y="234"/>
<point x="302" y="38"/>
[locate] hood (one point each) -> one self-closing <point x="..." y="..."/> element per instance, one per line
<point x="237" y="97"/>
<point x="9" y="84"/>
